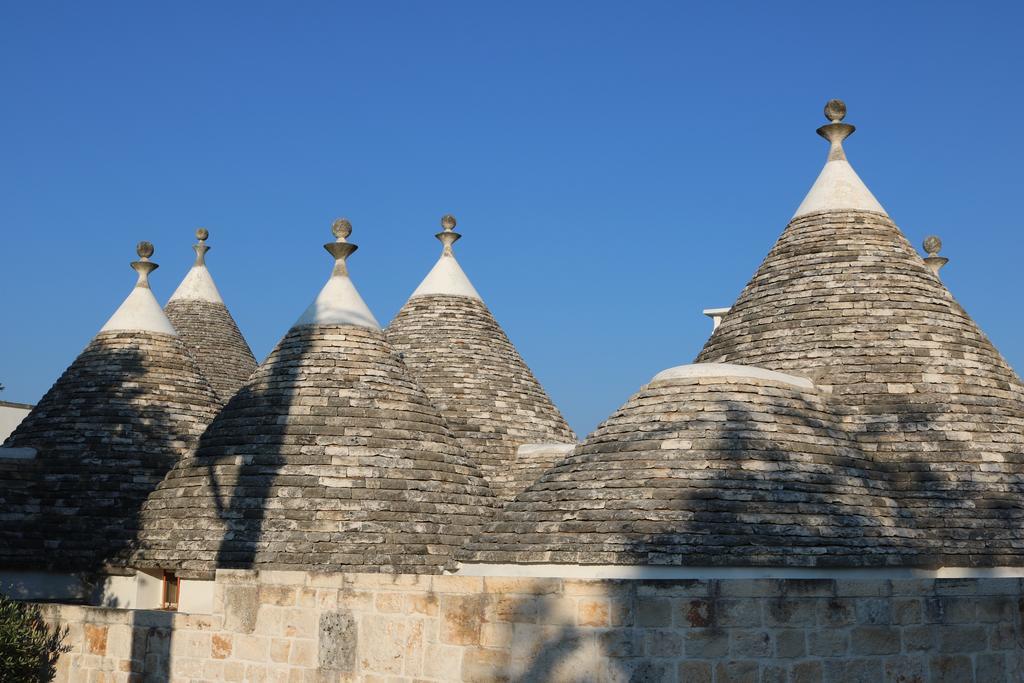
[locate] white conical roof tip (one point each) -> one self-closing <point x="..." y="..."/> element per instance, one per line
<point x="198" y="284"/>
<point x="140" y="312"/>
<point x="447" y="276"/>
<point x="339" y="303"/>
<point x="838" y="187"/>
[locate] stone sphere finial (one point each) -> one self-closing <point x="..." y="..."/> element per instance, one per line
<point x="835" y="110"/>
<point x="932" y="245"/>
<point x="448" y="222"/>
<point x="341" y="228"/>
<point x="144" y="249"/>
<point x="202" y="234"/>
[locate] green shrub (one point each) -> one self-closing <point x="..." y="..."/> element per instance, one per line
<point x="29" y="649"/>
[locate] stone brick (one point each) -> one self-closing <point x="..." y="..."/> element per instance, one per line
<point x="874" y="611"/>
<point x="220" y="646"/>
<point x="482" y="665"/>
<point x="95" y="639"/>
<point x="853" y="670"/>
<point x="874" y="640"/>
<point x="866" y="588"/>
<point x="512" y="608"/>
<point x="774" y="673"/>
<point x="741" y="613"/>
<point x="835" y="612"/>
<point x="790" y="643"/>
<point x="907" y="669"/>
<point x="990" y="668"/>
<point x="906" y="612"/>
<point x="695" y="672"/>
<point x="557" y="611"/>
<point x="950" y="610"/>
<point x="495" y="635"/>
<point x="280" y="650"/>
<point x="525" y="585"/>
<point x="956" y="586"/>
<point x="707" y="642"/>
<point x="653" y="612"/>
<point x="620" y="643"/>
<point x="827" y="642"/>
<point x="749" y="644"/>
<point x="788" y="612"/>
<point x="461" y="616"/>
<point x="389" y="603"/>
<point x="748" y="588"/>
<point x="807" y="672"/>
<point x="995" y="608"/>
<point x="962" y="638"/>
<point x="421" y="604"/>
<point x="950" y="669"/>
<point x="241" y="606"/>
<point x="1004" y="637"/>
<point x="919" y="638"/>
<point x="736" y="672"/>
<point x="695" y="613"/>
<point x="592" y="612"/>
<point x="282" y="596"/>
<point x="338" y="641"/>
<point x="664" y="643"/>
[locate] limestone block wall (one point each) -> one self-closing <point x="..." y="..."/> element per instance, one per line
<point x="299" y="627"/>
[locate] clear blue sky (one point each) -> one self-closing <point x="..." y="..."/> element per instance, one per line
<point x="615" y="167"/>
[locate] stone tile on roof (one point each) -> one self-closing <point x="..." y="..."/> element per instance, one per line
<point x="104" y="435"/>
<point x="706" y="471"/>
<point x="912" y="455"/>
<point x="331" y="458"/>
<point x="462" y="357"/>
<point x="844" y="298"/>
<point x="208" y="329"/>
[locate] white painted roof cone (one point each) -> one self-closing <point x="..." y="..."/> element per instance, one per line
<point x="838" y="187"/>
<point x="140" y="311"/>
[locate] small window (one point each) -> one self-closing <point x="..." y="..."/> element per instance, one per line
<point x="172" y="587"/>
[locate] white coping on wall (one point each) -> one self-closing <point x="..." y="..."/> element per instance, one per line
<point x="574" y="571"/>
<point x="535" y="448"/>
<point x="140" y="312"/>
<point x="838" y="188"/>
<point x="196" y="596"/>
<point x="338" y="303"/>
<point x="446" y="277"/>
<point x="711" y="370"/>
<point x="29" y="585"/>
<point x="198" y="285"/>
<point x="11" y="417"/>
<point x="22" y="453"/>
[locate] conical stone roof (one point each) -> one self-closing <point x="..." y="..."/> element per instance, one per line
<point x="76" y="471"/>
<point x="459" y="353"/>
<point x="207" y="328"/>
<point x="707" y="465"/>
<point x="330" y="457"/>
<point x="843" y="297"/>
<point x="909" y="451"/>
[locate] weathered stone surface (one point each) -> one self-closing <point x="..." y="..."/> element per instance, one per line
<point x="844" y="299"/>
<point x="106" y="433"/>
<point x="330" y="457"/>
<point x="471" y="371"/>
<point x="210" y="334"/>
<point x="704" y="471"/>
<point x="338" y="640"/>
<point x="909" y="451"/>
<point x="458" y="640"/>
